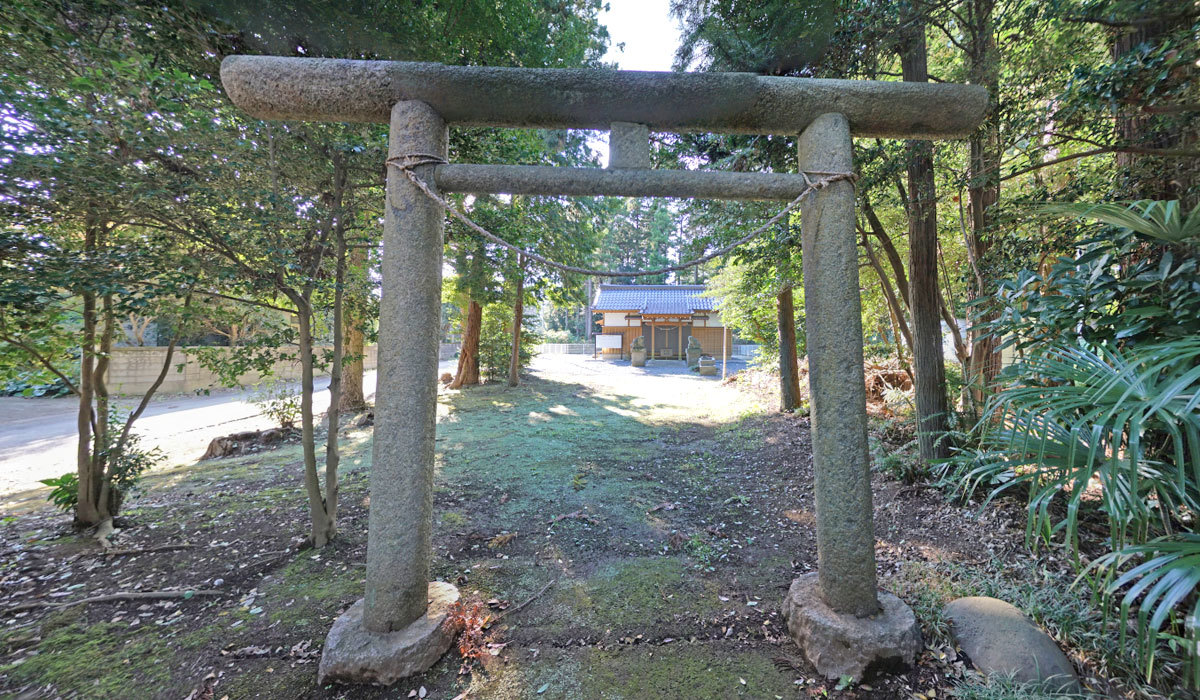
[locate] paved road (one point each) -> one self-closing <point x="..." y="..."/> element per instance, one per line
<point x="37" y="436"/>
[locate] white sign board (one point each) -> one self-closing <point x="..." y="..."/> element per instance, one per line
<point x="609" y="341"/>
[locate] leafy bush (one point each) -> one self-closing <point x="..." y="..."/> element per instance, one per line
<point x="124" y="469"/>
<point x="1127" y="416"/>
<point x="557" y="336"/>
<point x="1120" y="289"/>
<point x="64" y="492"/>
<point x="32" y="385"/>
<point x="1129" y="420"/>
<point x="278" y="401"/>
<point x="495" y="341"/>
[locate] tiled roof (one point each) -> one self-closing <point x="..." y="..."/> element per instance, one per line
<point x="672" y="299"/>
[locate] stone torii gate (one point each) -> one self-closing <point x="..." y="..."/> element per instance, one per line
<point x="844" y="625"/>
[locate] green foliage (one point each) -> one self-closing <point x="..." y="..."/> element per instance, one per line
<point x="1128" y="420"/>
<point x="747" y="294"/>
<point x="1118" y="290"/>
<point x="1161" y="220"/>
<point x="556" y="336"/>
<point x="903" y="463"/>
<point x="127" y="463"/>
<point x="125" y="469"/>
<point x="1157" y="590"/>
<point x="35" y="384"/>
<point x="639" y="235"/>
<point x="64" y="491"/>
<point x="1127" y="416"/>
<point x="495" y="342"/>
<point x="1107" y="423"/>
<point x="277" y="400"/>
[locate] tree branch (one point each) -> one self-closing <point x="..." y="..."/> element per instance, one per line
<point x="42" y="360"/>
<point x="1161" y="152"/>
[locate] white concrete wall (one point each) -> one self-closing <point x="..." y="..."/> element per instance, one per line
<point x="132" y="370"/>
<point x="618" y="320"/>
<point x="713" y="321"/>
<point x="566" y="348"/>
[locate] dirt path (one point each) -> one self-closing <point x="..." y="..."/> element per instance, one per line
<point x="666" y="512"/>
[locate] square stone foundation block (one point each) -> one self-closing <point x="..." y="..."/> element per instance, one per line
<point x="354" y="655"/>
<point x="848" y="645"/>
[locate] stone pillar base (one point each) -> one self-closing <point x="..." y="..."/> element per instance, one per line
<point x="847" y="645"/>
<point x="354" y="655"/>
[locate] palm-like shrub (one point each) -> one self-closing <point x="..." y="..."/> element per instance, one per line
<point x="1117" y="431"/>
<point x="1161" y="220"/>
<point x="1102" y="414"/>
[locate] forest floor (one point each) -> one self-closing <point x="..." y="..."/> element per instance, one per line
<point x="660" y="516"/>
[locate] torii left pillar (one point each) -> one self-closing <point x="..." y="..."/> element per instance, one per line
<point x="398" y="628"/>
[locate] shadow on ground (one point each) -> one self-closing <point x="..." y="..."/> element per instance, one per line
<point x="667" y="515"/>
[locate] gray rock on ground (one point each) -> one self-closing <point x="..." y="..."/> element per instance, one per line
<point x="353" y="655"/>
<point x="1000" y="639"/>
<point x="846" y="645"/>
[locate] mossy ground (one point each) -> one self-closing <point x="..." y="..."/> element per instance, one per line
<point x="667" y="513"/>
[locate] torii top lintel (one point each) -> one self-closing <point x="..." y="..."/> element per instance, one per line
<point x="326" y="89"/>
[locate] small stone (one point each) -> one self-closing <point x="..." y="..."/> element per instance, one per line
<point x="841" y="645"/>
<point x="1000" y="639"/>
<point x="354" y="655"/>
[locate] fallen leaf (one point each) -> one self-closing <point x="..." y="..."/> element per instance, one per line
<point x="501" y="540"/>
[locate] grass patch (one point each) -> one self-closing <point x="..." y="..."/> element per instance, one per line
<point x="979" y="687"/>
<point x="307" y="593"/>
<point x="103" y="660"/>
<point x="639" y="594"/>
<point x="1066" y="613"/>
<point x="682" y="671"/>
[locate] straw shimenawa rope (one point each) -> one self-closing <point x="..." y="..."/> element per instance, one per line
<point x="405" y="164"/>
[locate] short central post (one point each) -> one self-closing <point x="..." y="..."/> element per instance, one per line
<point x="836" y="615"/>
<point x="397" y="629"/>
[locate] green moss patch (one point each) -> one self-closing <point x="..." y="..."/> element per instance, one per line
<point x="96" y="661"/>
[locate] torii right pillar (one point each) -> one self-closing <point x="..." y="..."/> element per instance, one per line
<point x="845" y="626"/>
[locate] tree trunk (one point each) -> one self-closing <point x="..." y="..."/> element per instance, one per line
<point x="514" y="362"/>
<point x="468" y="354"/>
<point x="333" y="415"/>
<point x="928" y="361"/>
<point x="893" y="301"/>
<point x="322" y="528"/>
<point x="889" y="249"/>
<point x="352" y="397"/>
<point x="983" y="191"/>
<point x="86" y="512"/>
<point x="789" y="368"/>
<point x="100" y="455"/>
<point x="1146" y="176"/>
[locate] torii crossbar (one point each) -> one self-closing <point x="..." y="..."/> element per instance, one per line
<point x="836" y="615"/>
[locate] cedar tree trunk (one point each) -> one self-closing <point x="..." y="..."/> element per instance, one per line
<point x="789" y="368"/>
<point x="514" y="362"/>
<point x="468" y="354"/>
<point x="928" y="361"/>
